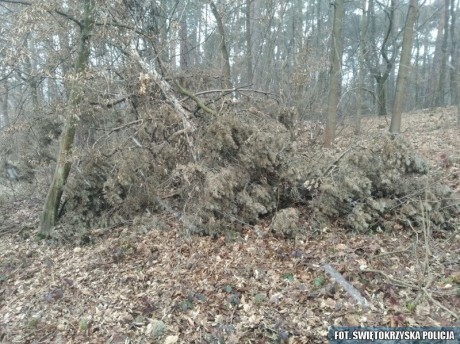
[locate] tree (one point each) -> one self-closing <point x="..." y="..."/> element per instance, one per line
<point x="454" y="66"/>
<point x="456" y="52"/>
<point x="249" y="41"/>
<point x="223" y="47"/>
<point x="362" y="40"/>
<point x="64" y="162"/>
<point x="380" y="62"/>
<point x="435" y="86"/>
<point x="404" y="67"/>
<point x="336" y="70"/>
<point x="441" y="90"/>
<point x="184" y="41"/>
<point x="5" y="119"/>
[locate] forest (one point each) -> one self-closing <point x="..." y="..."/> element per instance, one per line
<point x="211" y="171"/>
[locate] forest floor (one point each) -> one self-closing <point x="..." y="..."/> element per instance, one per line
<point x="162" y="286"/>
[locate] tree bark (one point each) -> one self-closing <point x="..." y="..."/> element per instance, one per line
<point x="404" y="67"/>
<point x="64" y="163"/>
<point x="336" y="69"/>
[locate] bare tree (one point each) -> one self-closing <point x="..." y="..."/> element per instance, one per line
<point x="381" y="59"/>
<point x="64" y="162"/>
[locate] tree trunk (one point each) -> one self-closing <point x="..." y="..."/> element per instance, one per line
<point x="223" y="47"/>
<point x="404" y="67"/>
<point x="336" y="69"/>
<point x="184" y="44"/>
<point x="457" y="52"/>
<point x="379" y="61"/>
<point x="362" y="41"/>
<point x="426" y="87"/>
<point x="381" y="95"/>
<point x="454" y="54"/>
<point x="32" y="78"/>
<point x="392" y="78"/>
<point x="5" y="122"/>
<point x="248" y="32"/>
<point x="418" y="67"/>
<point x="435" y="84"/>
<point x="256" y="39"/>
<point x="64" y="163"/>
<point x="440" y="95"/>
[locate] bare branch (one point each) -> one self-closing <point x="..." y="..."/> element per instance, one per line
<point x="63" y="14"/>
<point x="194" y="98"/>
<point x="17" y="2"/>
<point x="113" y="103"/>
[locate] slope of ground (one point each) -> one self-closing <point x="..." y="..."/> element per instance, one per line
<point x="141" y="284"/>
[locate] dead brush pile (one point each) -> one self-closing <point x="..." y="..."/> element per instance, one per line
<point x="242" y="165"/>
<point x="382" y="182"/>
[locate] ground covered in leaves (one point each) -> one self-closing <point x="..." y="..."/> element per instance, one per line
<point x="146" y="284"/>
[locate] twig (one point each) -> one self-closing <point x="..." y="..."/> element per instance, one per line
<point x="407" y="285"/>
<point x="125" y="125"/>
<point x="426" y="222"/>
<point x="439" y="304"/>
<point x="393" y="280"/>
<point x="113" y="103"/>
<point x="63" y="14"/>
<point x="229" y="90"/>
<point x="392" y="252"/>
<point x="334" y="163"/>
<point x="117" y="129"/>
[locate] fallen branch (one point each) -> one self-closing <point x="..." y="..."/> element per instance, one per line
<point x="439" y="304"/>
<point x="198" y="102"/>
<point x="346" y="285"/>
<point x="402" y="284"/>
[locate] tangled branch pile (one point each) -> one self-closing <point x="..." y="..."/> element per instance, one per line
<point x="383" y="183"/>
<point x="240" y="166"/>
